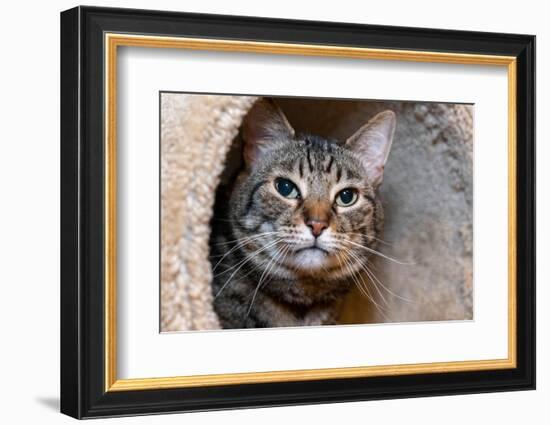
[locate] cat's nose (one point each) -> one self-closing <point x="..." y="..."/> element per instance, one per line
<point x="316" y="226"/>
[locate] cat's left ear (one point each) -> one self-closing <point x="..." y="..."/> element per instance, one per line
<point x="264" y="127"/>
<point x="372" y="144"/>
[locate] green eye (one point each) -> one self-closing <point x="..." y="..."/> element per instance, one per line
<point x="346" y="197"/>
<point x="286" y="188"/>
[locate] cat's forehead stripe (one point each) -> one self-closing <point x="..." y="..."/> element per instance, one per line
<point x="308" y="156"/>
<point x="329" y="166"/>
<point x="338" y="173"/>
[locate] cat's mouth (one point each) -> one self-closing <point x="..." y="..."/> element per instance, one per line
<point x="313" y="248"/>
<point x="311" y="257"/>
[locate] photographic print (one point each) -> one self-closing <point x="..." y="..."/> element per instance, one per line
<point x="314" y="211"/>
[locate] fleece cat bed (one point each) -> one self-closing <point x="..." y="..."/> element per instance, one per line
<point x="426" y="193"/>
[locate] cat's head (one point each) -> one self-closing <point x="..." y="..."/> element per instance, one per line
<point x="309" y="205"/>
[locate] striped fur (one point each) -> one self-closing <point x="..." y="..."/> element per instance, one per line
<point x="269" y="270"/>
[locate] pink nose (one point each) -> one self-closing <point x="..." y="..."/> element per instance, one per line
<point x="316" y="226"/>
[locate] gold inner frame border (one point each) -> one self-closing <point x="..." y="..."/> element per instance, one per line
<point x="111" y="43"/>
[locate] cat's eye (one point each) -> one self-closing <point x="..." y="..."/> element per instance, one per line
<point x="287" y="189"/>
<point x="346" y="197"/>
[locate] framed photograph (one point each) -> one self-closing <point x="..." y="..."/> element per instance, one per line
<point x="261" y="212"/>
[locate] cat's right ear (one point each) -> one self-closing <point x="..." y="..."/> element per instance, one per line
<point x="263" y="128"/>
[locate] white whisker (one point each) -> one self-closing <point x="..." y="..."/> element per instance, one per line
<point x="244" y="238"/>
<point x="241" y="264"/>
<point x="366" y="269"/>
<point x="241" y="244"/>
<point x="365" y="290"/>
<point x="269" y="267"/>
<point x="365" y="266"/>
<point x="375" y="252"/>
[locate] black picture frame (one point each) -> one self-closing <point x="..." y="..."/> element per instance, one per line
<point x="83" y="392"/>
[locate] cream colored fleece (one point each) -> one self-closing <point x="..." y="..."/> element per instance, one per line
<point x="196" y="133"/>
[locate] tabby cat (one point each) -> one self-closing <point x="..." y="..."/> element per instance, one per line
<point x="302" y="217"/>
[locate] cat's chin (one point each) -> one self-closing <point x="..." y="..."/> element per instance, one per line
<point x="310" y="259"/>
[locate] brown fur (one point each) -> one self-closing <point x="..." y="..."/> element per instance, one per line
<point x="283" y="261"/>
